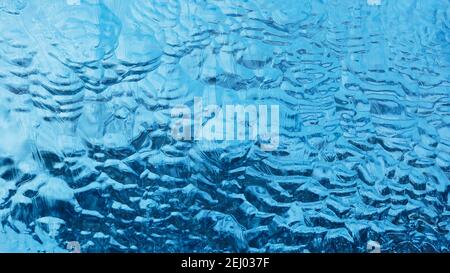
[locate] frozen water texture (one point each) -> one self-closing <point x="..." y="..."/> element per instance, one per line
<point x="87" y="155"/>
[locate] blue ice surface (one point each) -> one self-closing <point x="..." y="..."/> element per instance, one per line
<point x="87" y="154"/>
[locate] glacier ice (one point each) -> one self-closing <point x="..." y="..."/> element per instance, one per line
<point x="87" y="155"/>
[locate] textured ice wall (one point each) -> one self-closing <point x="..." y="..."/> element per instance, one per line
<point x="86" y="153"/>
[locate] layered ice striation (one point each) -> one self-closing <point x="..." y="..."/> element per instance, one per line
<point x="87" y="154"/>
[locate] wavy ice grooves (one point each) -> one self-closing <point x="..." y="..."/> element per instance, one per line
<point x="87" y="155"/>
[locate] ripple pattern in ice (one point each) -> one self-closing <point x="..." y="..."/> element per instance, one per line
<point x="87" y="155"/>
